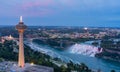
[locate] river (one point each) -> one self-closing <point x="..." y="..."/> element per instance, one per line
<point x="91" y="62"/>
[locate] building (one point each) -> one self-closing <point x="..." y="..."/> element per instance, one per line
<point x="21" y="28"/>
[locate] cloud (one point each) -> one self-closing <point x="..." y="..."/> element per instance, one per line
<point x="58" y="7"/>
<point x="26" y="7"/>
<point x="57" y="12"/>
<point x="37" y="3"/>
<point x="37" y="8"/>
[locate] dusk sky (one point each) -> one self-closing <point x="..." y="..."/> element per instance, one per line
<point x="102" y="13"/>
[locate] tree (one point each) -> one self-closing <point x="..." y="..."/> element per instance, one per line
<point x="63" y="68"/>
<point x="95" y="43"/>
<point x="1" y="59"/>
<point x="112" y="70"/>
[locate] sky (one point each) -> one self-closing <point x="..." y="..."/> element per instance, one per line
<point x="99" y="13"/>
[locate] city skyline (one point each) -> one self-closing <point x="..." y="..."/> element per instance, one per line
<point x="61" y="12"/>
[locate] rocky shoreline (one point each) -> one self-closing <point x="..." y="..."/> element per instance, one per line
<point x="54" y="43"/>
<point x="108" y="54"/>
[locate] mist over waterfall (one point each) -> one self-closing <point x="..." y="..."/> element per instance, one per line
<point x="85" y="49"/>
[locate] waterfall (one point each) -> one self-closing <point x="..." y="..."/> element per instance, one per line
<point x="85" y="49"/>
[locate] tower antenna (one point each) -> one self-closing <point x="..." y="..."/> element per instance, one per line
<point x="21" y="19"/>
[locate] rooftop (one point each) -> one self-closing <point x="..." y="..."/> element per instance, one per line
<point x="13" y="67"/>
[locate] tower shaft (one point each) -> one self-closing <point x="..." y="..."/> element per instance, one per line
<point x="21" y="50"/>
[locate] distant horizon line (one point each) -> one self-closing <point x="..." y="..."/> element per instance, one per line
<point x="62" y="26"/>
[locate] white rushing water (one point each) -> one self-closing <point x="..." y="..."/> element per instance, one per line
<point x="84" y="49"/>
